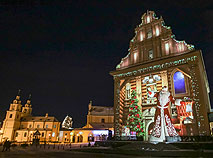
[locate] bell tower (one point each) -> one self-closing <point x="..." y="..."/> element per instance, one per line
<point x="27" y="109"/>
<point x="12" y="120"/>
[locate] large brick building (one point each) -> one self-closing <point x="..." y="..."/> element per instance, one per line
<point x="156" y="59"/>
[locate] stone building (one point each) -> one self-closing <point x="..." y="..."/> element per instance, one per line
<point x="156" y="59"/>
<point x="19" y="125"/>
<point x="100" y="122"/>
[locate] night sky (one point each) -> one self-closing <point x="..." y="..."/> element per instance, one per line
<point x="62" y="53"/>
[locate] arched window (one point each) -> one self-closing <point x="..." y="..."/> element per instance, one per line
<point x="179" y="83"/>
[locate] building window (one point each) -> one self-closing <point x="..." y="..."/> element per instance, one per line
<point x="157" y="32"/>
<point x="30" y="126"/>
<point x="151" y="54"/>
<point x="25" y="134"/>
<point x="141" y="36"/>
<point x="149" y="34"/>
<point x="53" y="134"/>
<point x="54" y="126"/>
<point x="102" y="120"/>
<point x="42" y="134"/>
<point x="46" y="126"/>
<point x="180" y="47"/>
<point x="179" y="83"/>
<point x="16" y="134"/>
<point x="38" y="126"/>
<point x="128" y="91"/>
<point x="135" y="57"/>
<point x="167" y="48"/>
<point x="148" y="19"/>
<point x="11" y="115"/>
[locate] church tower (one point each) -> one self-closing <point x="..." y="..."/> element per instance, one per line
<point x="27" y="109"/>
<point x="12" y="120"/>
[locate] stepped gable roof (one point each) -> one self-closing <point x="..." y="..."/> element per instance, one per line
<point x="39" y="119"/>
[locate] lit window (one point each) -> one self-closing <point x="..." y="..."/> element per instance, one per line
<point x="46" y="126"/>
<point x="179" y="83"/>
<point x="180" y="47"/>
<point x="148" y="19"/>
<point x="54" y="126"/>
<point x="135" y="57"/>
<point x="149" y="34"/>
<point x="53" y="134"/>
<point x="151" y="54"/>
<point x="167" y="48"/>
<point x="141" y="36"/>
<point x="157" y="32"/>
<point x="128" y="92"/>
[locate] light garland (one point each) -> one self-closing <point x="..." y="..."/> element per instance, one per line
<point x="157" y="67"/>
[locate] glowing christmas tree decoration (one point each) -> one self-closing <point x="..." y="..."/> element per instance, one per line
<point x="134" y="120"/>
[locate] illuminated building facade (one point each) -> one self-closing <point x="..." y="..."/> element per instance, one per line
<point x="100" y="122"/>
<point x="156" y="59"/>
<point x="19" y="125"/>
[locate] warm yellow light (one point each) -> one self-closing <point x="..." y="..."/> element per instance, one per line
<point x="135" y="57"/>
<point x="141" y="36"/>
<point x="77" y="134"/>
<point x="148" y="19"/>
<point x="157" y="31"/>
<point x="167" y="47"/>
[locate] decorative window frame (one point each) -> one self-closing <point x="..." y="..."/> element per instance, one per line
<point x="150" y="51"/>
<point x="186" y="79"/>
<point x="128" y="91"/>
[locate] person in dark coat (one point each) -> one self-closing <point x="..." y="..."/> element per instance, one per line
<point x="5" y="146"/>
<point x="8" y="146"/>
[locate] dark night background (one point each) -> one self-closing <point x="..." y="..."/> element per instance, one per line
<point x="62" y="51"/>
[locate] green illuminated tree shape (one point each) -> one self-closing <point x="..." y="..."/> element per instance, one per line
<point x="134" y="120"/>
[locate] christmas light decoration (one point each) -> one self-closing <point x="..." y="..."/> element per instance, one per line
<point x="134" y="120"/>
<point x="158" y="67"/>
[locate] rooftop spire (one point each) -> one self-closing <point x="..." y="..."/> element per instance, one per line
<point x="19" y="92"/>
<point x="30" y="96"/>
<point x="29" y="100"/>
<point x="18" y="95"/>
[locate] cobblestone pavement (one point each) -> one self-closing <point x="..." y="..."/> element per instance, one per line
<point x="64" y="151"/>
<point x="53" y="152"/>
